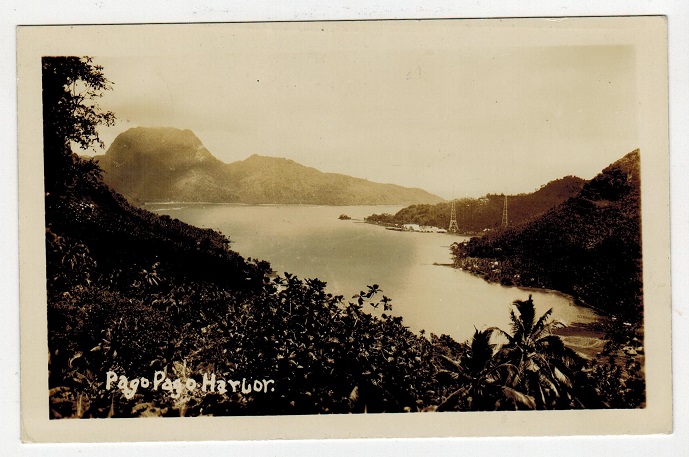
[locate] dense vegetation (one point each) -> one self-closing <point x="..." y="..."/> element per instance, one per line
<point x="168" y="164"/>
<point x="589" y="247"/>
<point x="475" y="215"/>
<point x="136" y="295"/>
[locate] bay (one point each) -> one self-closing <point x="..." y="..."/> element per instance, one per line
<point x="311" y="242"/>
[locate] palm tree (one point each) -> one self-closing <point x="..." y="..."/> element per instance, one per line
<point x="483" y="378"/>
<point x="545" y="367"/>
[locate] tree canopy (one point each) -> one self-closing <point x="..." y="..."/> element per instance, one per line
<point x="71" y="114"/>
<point x="71" y="86"/>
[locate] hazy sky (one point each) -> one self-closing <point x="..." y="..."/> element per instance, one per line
<point x="428" y="106"/>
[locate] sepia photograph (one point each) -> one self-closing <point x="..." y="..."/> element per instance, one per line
<point x="420" y="224"/>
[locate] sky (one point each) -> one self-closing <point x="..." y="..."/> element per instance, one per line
<point x="458" y="111"/>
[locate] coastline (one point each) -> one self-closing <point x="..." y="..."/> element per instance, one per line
<point x="574" y="299"/>
<point x="586" y="338"/>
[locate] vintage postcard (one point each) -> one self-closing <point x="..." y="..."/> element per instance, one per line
<point x="344" y="229"/>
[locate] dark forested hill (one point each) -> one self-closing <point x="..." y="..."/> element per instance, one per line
<point x="476" y="215"/>
<point x="589" y="246"/>
<point x="167" y="164"/>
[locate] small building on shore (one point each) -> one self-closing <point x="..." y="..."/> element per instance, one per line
<point x="422" y="228"/>
<point x="412" y="227"/>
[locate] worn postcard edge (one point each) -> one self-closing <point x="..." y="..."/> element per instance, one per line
<point x="647" y="34"/>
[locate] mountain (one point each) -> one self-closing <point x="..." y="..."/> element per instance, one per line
<point x="168" y="164"/>
<point x="160" y="164"/>
<point x="589" y="246"/>
<point x="477" y="214"/>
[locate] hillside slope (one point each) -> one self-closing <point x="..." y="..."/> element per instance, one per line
<point x="589" y="246"/>
<point x="131" y="292"/>
<point x="474" y="215"/>
<point x="167" y="164"/>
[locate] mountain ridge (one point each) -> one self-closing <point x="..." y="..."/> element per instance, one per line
<point x="169" y="164"/>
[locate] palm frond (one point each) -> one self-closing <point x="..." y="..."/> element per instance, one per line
<point x="511" y="340"/>
<point x="519" y="398"/>
<point x="452" y="399"/>
<point x="516" y="325"/>
<point x="451" y="363"/>
<point x="541" y="324"/>
<point x="481" y="348"/>
<point x="527" y="313"/>
<point x="551" y="345"/>
<point x="562" y="378"/>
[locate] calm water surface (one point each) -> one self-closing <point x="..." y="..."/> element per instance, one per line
<point x="311" y="242"/>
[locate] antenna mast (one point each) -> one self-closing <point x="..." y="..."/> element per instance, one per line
<point x="453" y="228"/>
<point x="504" y="213"/>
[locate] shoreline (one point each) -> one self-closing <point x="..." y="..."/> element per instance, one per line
<point x="574" y="299"/>
<point x="583" y="337"/>
<point x="396" y="227"/>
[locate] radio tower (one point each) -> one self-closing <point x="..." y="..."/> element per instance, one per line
<point x="504" y="213"/>
<point x="453" y="228"/>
